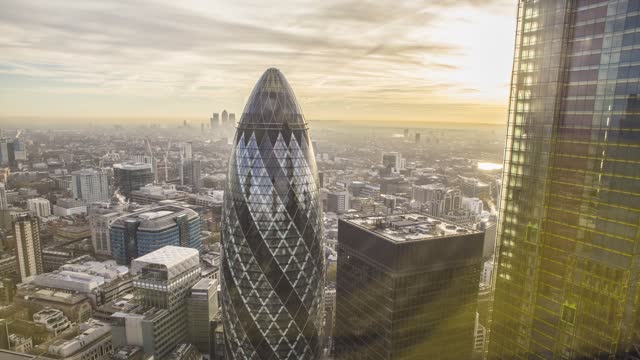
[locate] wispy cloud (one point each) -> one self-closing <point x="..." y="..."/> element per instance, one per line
<point x="214" y="51"/>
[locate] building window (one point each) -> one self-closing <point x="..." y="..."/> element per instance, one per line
<point x="569" y="313"/>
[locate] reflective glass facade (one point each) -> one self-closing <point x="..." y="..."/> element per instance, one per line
<point x="272" y="274"/>
<point x="568" y="252"/>
<point x="139" y="234"/>
<point x="407" y="298"/>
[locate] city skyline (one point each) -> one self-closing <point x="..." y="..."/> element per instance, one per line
<point x="436" y="61"/>
<point x="168" y="197"/>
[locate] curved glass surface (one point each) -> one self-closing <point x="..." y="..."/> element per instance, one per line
<point x="272" y="267"/>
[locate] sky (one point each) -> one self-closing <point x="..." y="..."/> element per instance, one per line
<point x="167" y="60"/>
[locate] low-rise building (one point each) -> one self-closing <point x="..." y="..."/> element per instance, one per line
<point x="185" y="351"/>
<point x="76" y="307"/>
<point x="100" y="281"/>
<point x="151" y="193"/>
<point x="129" y="352"/>
<point x="20" y="344"/>
<point x="93" y="342"/>
<point x="210" y="199"/>
<point x="69" y="207"/>
<point x="53" y="320"/>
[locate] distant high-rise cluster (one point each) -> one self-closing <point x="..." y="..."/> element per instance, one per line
<point x="215" y="120"/>
<point x="224" y="123"/>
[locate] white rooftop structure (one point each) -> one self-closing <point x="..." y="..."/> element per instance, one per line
<point x="154" y="214"/>
<point x="83" y="277"/>
<point x="151" y="189"/>
<point x="132" y="166"/>
<point x="175" y="259"/>
<point x="68" y="280"/>
<point x="91" y="331"/>
<point x="411" y="227"/>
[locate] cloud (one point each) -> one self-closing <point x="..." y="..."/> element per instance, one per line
<point x="201" y="49"/>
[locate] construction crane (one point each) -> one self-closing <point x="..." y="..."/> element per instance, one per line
<point x="149" y="152"/>
<point x="166" y="164"/>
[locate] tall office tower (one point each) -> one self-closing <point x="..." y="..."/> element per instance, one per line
<point x="232" y="119"/>
<point x="393" y="161"/>
<point x="452" y="200"/>
<point x="202" y="307"/>
<point x="100" y="221"/>
<point x="567" y="270"/>
<point x="90" y="186"/>
<point x="128" y="177"/>
<point x="26" y="232"/>
<point x="432" y="195"/>
<point x="273" y="264"/>
<point x="224" y="117"/>
<point x="11" y="152"/>
<point x="337" y="200"/>
<point x="192" y="174"/>
<point x="162" y="282"/>
<point x="215" y="120"/>
<point x="3" y="197"/>
<point x="4" y="174"/>
<point x="19" y="152"/>
<point x="148" y="230"/>
<point x="407" y="288"/>
<point x="41" y="207"/>
<point x="417" y="138"/>
<point x="187" y="152"/>
<point x="6" y="152"/>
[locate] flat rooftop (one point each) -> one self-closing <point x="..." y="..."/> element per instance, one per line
<point x="410" y="227"/>
<point x="132" y="166"/>
<point x="175" y="259"/>
<point x="204" y="284"/>
<point x="157" y="218"/>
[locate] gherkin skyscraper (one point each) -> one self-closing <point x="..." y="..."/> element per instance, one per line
<point x="273" y="265"/>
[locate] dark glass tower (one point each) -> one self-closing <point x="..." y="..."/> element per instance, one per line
<point x="568" y="264"/>
<point x="407" y="288"/>
<point x="273" y="265"/>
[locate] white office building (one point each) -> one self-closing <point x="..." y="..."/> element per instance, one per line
<point x="90" y="186"/>
<point x="41" y="207"/>
<point x="3" y="197"/>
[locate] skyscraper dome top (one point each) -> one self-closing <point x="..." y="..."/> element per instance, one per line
<point x="272" y="104"/>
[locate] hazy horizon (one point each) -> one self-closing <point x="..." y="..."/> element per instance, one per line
<point x="87" y="122"/>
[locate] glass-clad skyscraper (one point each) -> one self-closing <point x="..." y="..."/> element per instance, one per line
<point x="272" y="268"/>
<point x="568" y="264"/>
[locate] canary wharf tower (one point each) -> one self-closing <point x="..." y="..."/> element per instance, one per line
<point x="272" y="267"/>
